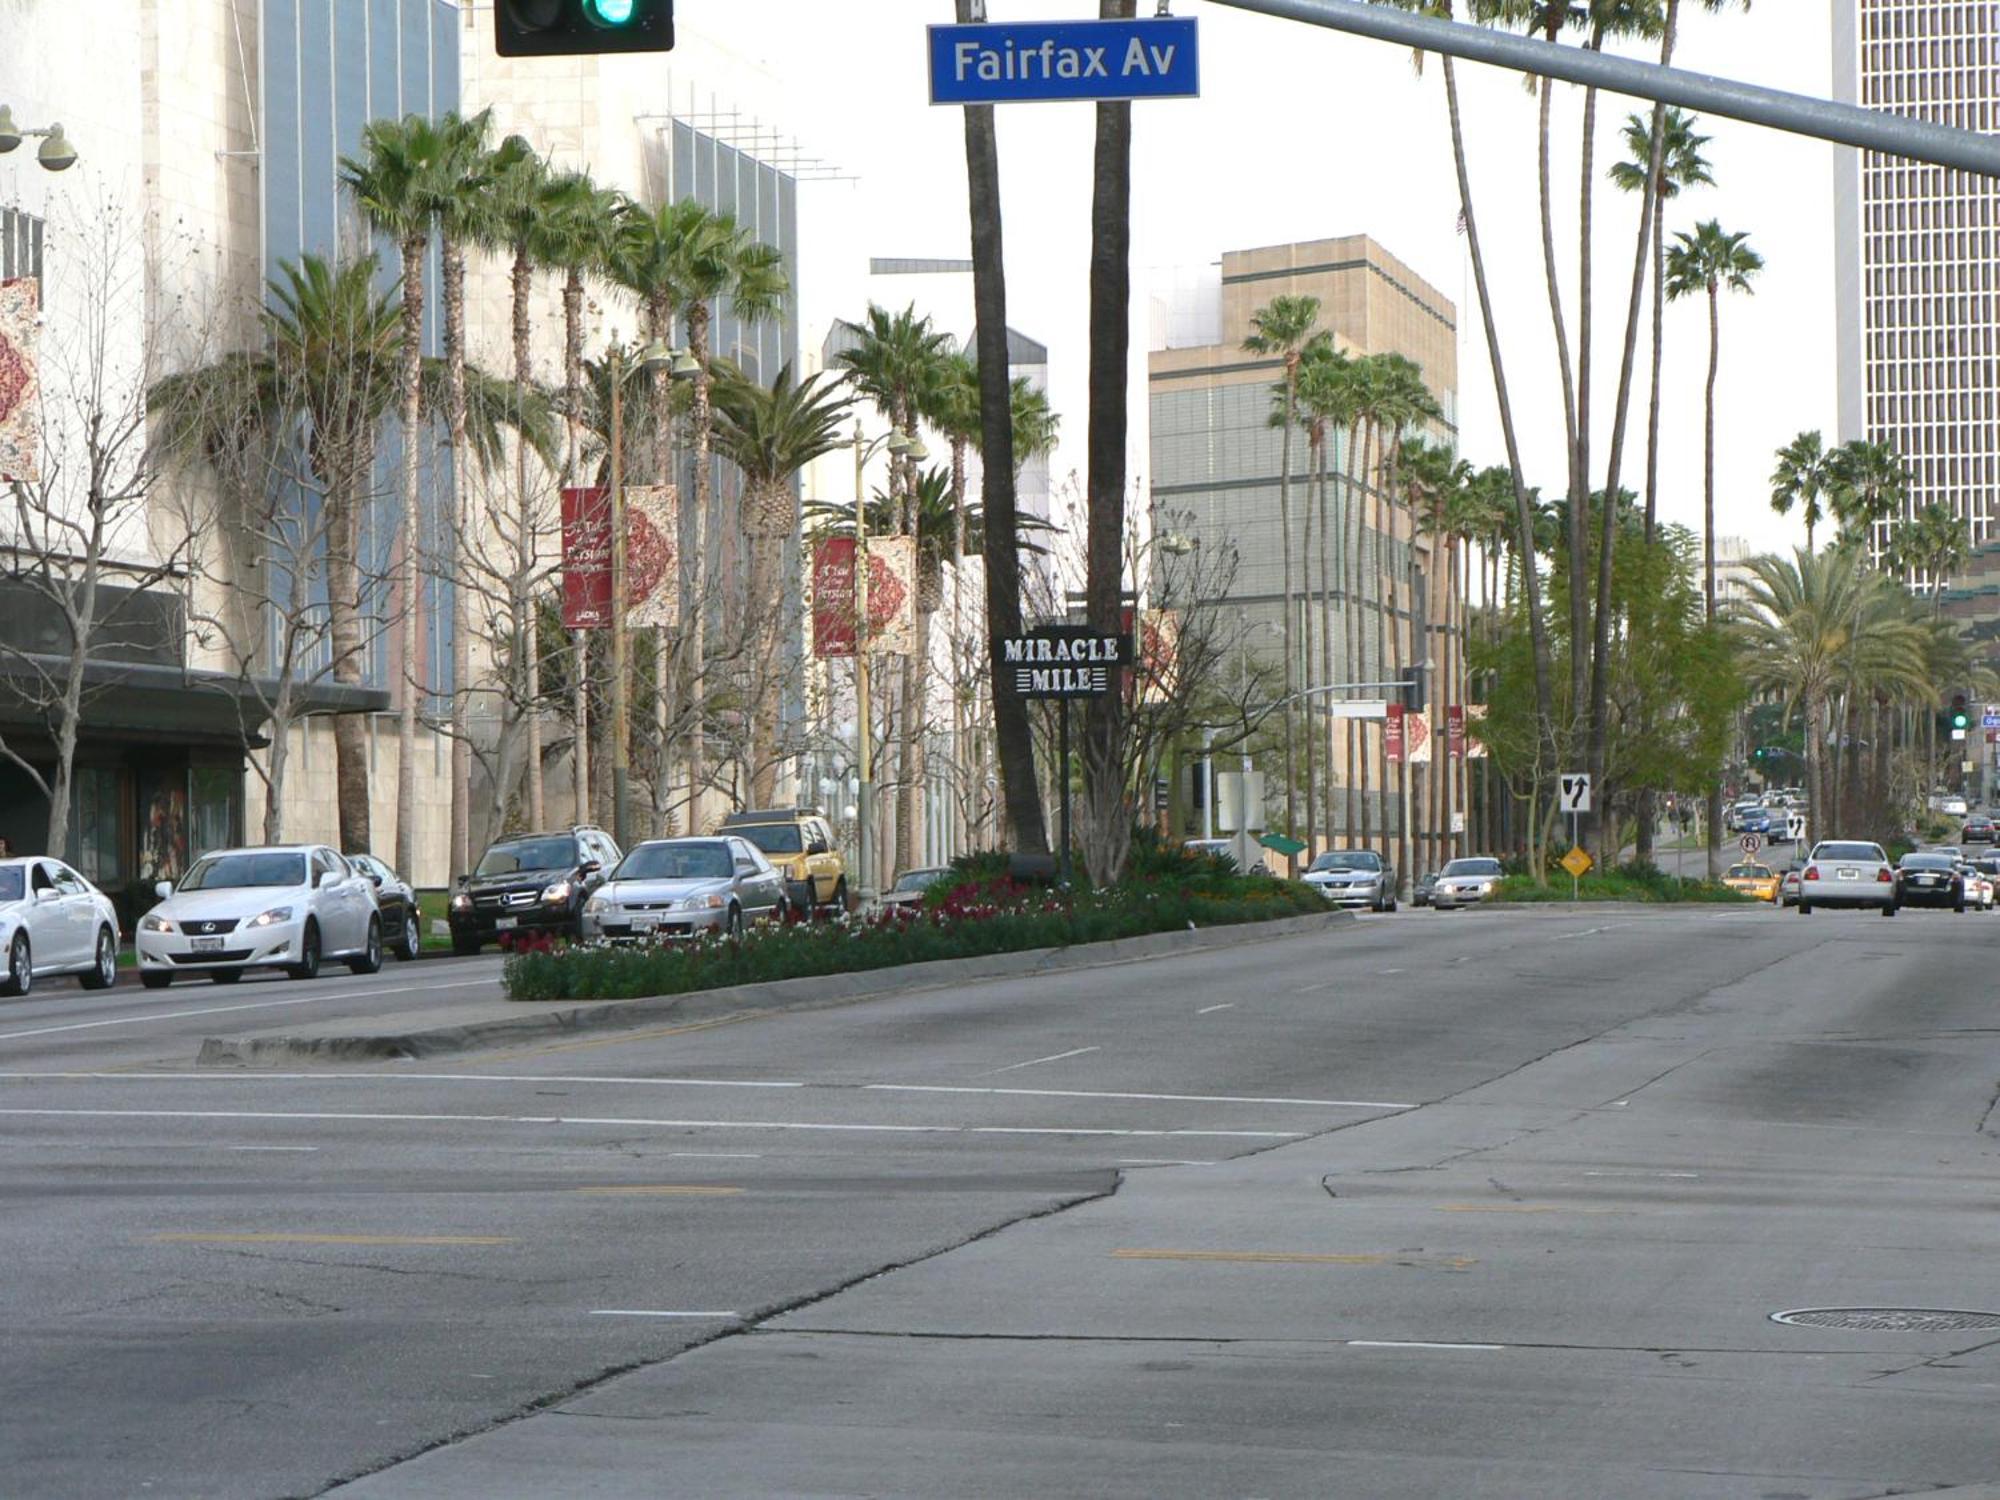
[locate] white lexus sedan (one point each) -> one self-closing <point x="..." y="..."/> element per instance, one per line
<point x="288" y="906"/>
<point x="53" y="921"/>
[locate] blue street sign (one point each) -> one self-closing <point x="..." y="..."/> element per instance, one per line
<point x="1155" y="58"/>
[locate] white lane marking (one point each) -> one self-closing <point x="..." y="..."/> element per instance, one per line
<point x="1695" y="1175"/>
<point x="216" y="1010"/>
<point x="1413" y="1344"/>
<point x="1388" y="971"/>
<point x="717" y="1155"/>
<point x="1226" y="1005"/>
<point x="620" y="1122"/>
<point x="1159" y="1161"/>
<point x="1314" y="989"/>
<point x="647" y="1312"/>
<point x="944" y="1088"/>
<point x="1564" y="937"/>
<point x="274" y="1148"/>
<point x="1053" y="1057"/>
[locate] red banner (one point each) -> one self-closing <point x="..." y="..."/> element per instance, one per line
<point x="833" y="597"/>
<point x="1392" y="735"/>
<point x="1455" y="731"/>
<point x="586" y="543"/>
<point x="891" y="596"/>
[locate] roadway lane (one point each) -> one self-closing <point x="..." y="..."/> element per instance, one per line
<point x="60" y="1023"/>
<point x="414" y="1252"/>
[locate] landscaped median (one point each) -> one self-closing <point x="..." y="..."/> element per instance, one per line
<point x="971" y="918"/>
<point x="1627" y="883"/>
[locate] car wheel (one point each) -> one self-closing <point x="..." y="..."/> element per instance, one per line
<point x="103" y="973"/>
<point x="781" y="913"/>
<point x="410" y="941"/>
<point x="732" y="925"/>
<point x="1805" y="910"/>
<point x="1392" y="904"/>
<point x="156" y="979"/>
<point x="226" y="976"/>
<point x="840" y="894"/>
<point x="1959" y="908"/>
<point x="308" y="965"/>
<point x="20" y="967"/>
<point x="464" y="947"/>
<point x="370" y="959"/>
<point x="1889" y="911"/>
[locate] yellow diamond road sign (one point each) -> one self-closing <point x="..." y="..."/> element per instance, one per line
<point x="1577" y="863"/>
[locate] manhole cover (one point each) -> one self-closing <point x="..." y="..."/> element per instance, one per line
<point x="1889" y="1319"/>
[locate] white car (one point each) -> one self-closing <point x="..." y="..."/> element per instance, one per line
<point x="53" y="921"/>
<point x="287" y="906"/>
<point x="1848" y="872"/>
<point x="1466" y="882"/>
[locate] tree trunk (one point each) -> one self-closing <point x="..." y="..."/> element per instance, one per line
<point x="461" y="603"/>
<point x="1579" y="483"/>
<point x="526" y="644"/>
<point x="1013" y="734"/>
<point x="1107" y="792"/>
<point x="1290" y="676"/>
<point x="1326" y="617"/>
<point x="409" y="604"/>
<point x="343" y="587"/>
<point x="1306" y="590"/>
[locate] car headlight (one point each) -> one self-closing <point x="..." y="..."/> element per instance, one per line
<point x="271" y="918"/>
<point x="701" y="903"/>
<point x="556" y="894"/>
<point x="151" y="923"/>
<point x="594" y="906"/>
<point x="461" y="902"/>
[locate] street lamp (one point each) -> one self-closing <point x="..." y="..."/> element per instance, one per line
<point x="56" y="153"/>
<point x="899" y="445"/>
<point x="654" y="356"/>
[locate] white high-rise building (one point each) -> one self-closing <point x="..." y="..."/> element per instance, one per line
<point x="1916" y="309"/>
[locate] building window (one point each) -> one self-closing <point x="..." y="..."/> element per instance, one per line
<point x="20" y="245"/>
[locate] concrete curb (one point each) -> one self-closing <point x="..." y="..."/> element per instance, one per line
<point x="537" y="1023"/>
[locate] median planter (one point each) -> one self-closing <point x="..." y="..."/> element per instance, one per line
<point x="1628" y="884"/>
<point x="967" y="921"/>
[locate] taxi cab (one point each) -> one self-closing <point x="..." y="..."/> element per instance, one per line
<point x="1760" y="881"/>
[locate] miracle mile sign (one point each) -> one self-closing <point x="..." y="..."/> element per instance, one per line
<point x="1155" y="58"/>
<point x="1061" y="661"/>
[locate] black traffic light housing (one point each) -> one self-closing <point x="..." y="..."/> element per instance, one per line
<point x="570" y="28"/>
<point x="1960" y="717"/>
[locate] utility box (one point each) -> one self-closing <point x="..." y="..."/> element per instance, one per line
<point x="1231" y="801"/>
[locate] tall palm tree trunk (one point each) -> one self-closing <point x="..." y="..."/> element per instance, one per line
<point x="1311" y="714"/>
<point x="409" y="586"/>
<point x="1326" y="613"/>
<point x="1350" y="533"/>
<point x="572" y="299"/>
<point x="461" y="572"/>
<point x="1579" y="483"/>
<point x="527" y="651"/>
<point x="1290" y="677"/>
<point x="343" y="582"/>
<point x="1708" y="541"/>
<point x="769" y="513"/>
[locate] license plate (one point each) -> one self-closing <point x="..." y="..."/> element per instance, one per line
<point x="1849" y="874"/>
<point x="207" y="945"/>
<point x="504" y="924"/>
<point x="644" y="921"/>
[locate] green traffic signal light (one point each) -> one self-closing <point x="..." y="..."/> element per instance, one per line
<point x="610" y="13"/>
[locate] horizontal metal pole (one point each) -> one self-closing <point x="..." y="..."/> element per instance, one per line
<point x="1801" y="114"/>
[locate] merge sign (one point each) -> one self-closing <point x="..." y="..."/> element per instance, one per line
<point x="1158" y="57"/>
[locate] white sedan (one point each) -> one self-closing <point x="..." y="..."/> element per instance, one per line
<point x="283" y="907"/>
<point x="53" y="921"/>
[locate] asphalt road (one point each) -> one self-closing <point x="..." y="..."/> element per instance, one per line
<point x="1482" y="1204"/>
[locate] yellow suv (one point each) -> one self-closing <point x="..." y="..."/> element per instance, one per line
<point x="799" y="841"/>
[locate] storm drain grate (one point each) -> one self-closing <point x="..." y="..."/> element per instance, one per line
<point x="1889" y="1319"/>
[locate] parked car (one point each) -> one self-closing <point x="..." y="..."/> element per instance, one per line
<point x="1733" y="815"/>
<point x="1788" y="888"/>
<point x="1979" y="886"/>
<point x="1760" y="881"/>
<point x="1843" y="872"/>
<point x="907" y="890"/>
<point x="679" y="888"/>
<point x="1465" y="882"/>
<point x="1420" y="893"/>
<point x="531" y="882"/>
<point x="1953" y="806"/>
<point x="396" y="900"/>
<point x="799" y="841"/>
<point x="1353" y="877"/>
<point x="53" y="921"/>
<point x="282" y="906"/>
<point x="1978" y="830"/>
<point x="1926" y="879"/>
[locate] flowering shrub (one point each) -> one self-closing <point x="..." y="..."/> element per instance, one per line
<point x="980" y="914"/>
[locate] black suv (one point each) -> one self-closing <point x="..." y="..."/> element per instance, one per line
<point x="531" y="882"/>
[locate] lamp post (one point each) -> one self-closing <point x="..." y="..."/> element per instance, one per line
<point x="654" y="356"/>
<point x="899" y="446"/>
<point x="56" y="154"/>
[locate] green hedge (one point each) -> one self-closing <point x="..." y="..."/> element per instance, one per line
<point x="1632" y="882"/>
<point x="969" y="920"/>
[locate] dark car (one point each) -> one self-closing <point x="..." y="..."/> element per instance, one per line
<point x="1420" y="893"/>
<point x="531" y="882"/>
<point x="1978" y="830"/>
<point x="396" y="899"/>
<point x="1925" y="879"/>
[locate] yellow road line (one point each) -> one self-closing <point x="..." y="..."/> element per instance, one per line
<point x="642" y="1190"/>
<point x="1295" y="1258"/>
<point x="329" y="1239"/>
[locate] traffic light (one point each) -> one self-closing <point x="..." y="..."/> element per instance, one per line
<point x="568" y="28"/>
<point x="1960" y="718"/>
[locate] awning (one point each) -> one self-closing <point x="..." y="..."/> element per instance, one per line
<point x="169" y="704"/>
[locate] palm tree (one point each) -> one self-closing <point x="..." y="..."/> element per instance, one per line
<point x="1283" y="328"/>
<point x="399" y="183"/>
<point x="897" y="360"/>
<point x="1866" y="486"/>
<point x="1802" y="477"/>
<point x="1326" y="405"/>
<point x="1710" y="260"/>
<point x="770" y="433"/>
<point x="1930" y="546"/>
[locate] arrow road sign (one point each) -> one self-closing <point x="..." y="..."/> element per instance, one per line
<point x="1575" y="792"/>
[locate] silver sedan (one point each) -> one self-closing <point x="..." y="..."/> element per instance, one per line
<point x="1354" y="877"/>
<point x="1465" y="882"/>
<point x="679" y="888"/>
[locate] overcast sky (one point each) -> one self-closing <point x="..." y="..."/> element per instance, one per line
<point x="1303" y="133"/>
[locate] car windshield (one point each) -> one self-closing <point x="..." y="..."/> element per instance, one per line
<point x="1473" y="867"/>
<point x="1355" y="859"/>
<point x="1929" y="862"/>
<point x="1747" y="872"/>
<point x="230" y="872"/>
<point x="1849" y="851"/>
<point x="773" y="838"/>
<point x="528" y="854"/>
<point x="677" y="862"/>
<point x="10" y="883"/>
<point x="918" y="880"/>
